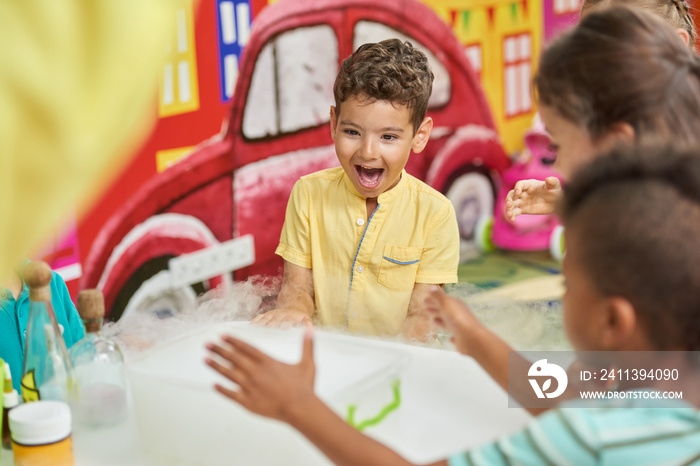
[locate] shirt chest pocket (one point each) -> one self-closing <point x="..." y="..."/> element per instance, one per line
<point x="399" y="267"/>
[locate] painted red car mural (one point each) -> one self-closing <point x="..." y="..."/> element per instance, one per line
<point x="235" y="186"/>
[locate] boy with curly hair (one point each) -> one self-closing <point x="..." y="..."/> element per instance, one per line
<point x="363" y="242"/>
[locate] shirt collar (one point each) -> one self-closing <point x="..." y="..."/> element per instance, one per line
<point x="6" y="294"/>
<point x="386" y="196"/>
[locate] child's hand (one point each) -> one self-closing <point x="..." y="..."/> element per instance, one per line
<point x="533" y="197"/>
<point x="454" y="316"/>
<point x="266" y="386"/>
<point x="283" y="318"/>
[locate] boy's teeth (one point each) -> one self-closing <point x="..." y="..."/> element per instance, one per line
<point x="369" y="177"/>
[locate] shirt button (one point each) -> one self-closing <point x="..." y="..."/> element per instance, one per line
<point x="360" y="221"/>
<point x="354" y="315"/>
<point x="360" y="269"/>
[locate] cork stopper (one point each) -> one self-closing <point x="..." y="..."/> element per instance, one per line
<point x="91" y="307"/>
<point x="91" y="304"/>
<point x="37" y="276"/>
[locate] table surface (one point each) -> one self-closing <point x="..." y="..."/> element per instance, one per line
<point x="439" y="388"/>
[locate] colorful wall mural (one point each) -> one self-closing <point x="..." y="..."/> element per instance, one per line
<point x="243" y="112"/>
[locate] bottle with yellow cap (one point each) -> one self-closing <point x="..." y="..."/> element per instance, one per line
<point x="99" y="368"/>
<point x="47" y="372"/>
<point x="10" y="400"/>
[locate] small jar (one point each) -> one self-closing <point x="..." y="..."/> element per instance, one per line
<point x="41" y="434"/>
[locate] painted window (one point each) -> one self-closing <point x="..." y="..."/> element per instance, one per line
<point x="566" y="7"/>
<point x="369" y="31"/>
<point x="234" y="20"/>
<point x="169" y="157"/>
<point x="292" y="85"/>
<point x="517" y="57"/>
<point x="179" y="91"/>
<point x="473" y="53"/>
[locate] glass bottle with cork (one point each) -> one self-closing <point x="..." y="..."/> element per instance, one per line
<point x="47" y="372"/>
<point x="99" y="368"/>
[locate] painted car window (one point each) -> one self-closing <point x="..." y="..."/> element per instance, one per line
<point x="370" y="31"/>
<point x="292" y="84"/>
<point x="260" y="118"/>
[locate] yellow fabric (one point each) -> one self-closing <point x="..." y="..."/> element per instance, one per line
<point x="78" y="83"/>
<point x="325" y="223"/>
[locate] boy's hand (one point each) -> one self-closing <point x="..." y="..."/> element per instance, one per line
<point x="283" y="318"/>
<point x="266" y="386"/>
<point x="533" y="197"/>
<point x="454" y="316"/>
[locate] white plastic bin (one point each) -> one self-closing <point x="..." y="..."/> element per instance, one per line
<point x="182" y="418"/>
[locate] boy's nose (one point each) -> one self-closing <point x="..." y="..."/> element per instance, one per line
<point x="369" y="151"/>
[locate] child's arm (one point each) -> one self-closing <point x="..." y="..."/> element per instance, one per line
<point x="418" y="325"/>
<point x="285" y="392"/>
<point x="533" y="197"/>
<point x="295" y="303"/>
<point x="474" y="339"/>
<point x="62" y="303"/>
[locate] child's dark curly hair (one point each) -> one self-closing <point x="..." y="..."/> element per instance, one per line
<point x="636" y="216"/>
<point x="389" y="70"/>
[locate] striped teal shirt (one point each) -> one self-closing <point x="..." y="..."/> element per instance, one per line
<point x="621" y="433"/>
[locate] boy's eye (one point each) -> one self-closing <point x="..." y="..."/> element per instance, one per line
<point x="351" y="132"/>
<point x="388" y="137"/>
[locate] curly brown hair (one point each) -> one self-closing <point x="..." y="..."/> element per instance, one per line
<point x="676" y="13"/>
<point x="621" y="65"/>
<point x="635" y="214"/>
<point x="389" y="70"/>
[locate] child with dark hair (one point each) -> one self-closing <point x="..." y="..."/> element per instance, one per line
<point x="621" y="76"/>
<point x="632" y="280"/>
<point x="363" y="242"/>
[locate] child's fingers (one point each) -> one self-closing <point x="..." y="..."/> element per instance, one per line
<point x="431" y="300"/>
<point x="439" y="322"/>
<point x="225" y="353"/>
<point x="261" y="319"/>
<point x="236" y="358"/>
<point x="226" y="371"/>
<point x="552" y="182"/>
<point x="250" y="351"/>
<point x="238" y="397"/>
<point x="522" y="187"/>
<point x="235" y="376"/>
<point x="307" y="351"/>
<point x="514" y="212"/>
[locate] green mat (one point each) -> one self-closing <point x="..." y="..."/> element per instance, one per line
<point x="495" y="269"/>
<point x="525" y="325"/>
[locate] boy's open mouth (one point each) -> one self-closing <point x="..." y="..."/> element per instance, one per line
<point x="369" y="177"/>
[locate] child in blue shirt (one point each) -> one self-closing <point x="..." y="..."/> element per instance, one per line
<point x="14" y="313"/>
<point x="632" y="219"/>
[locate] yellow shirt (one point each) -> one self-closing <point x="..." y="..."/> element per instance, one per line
<point x="364" y="270"/>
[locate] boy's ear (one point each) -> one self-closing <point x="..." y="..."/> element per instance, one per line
<point x="334" y="122"/>
<point x="620" y="325"/>
<point x="420" y="139"/>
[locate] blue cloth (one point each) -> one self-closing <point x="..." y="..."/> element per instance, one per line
<point x="13" y="323"/>
<point x="631" y="432"/>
